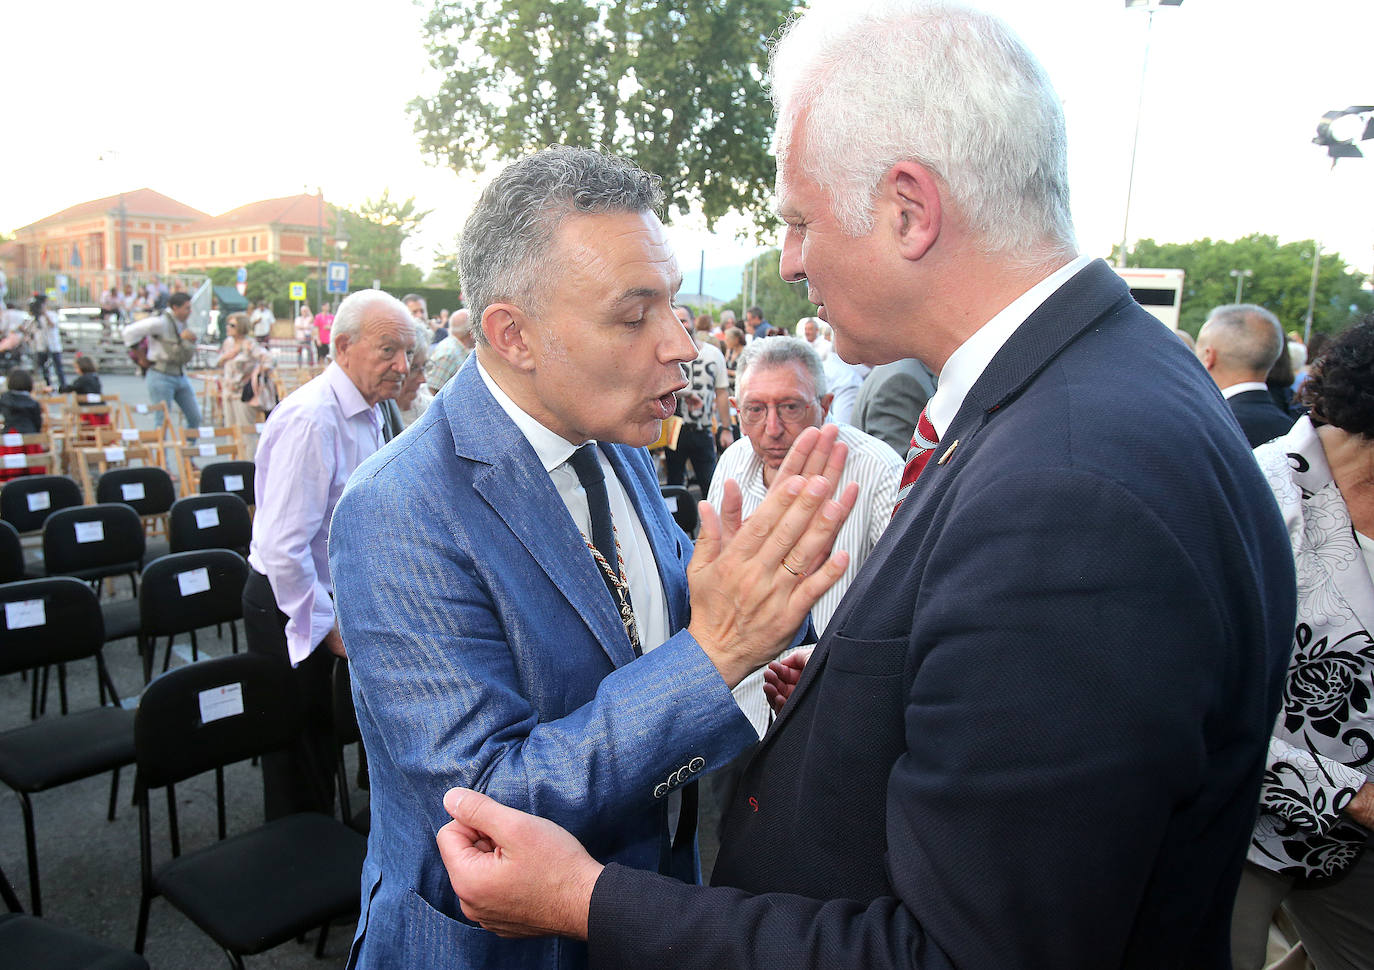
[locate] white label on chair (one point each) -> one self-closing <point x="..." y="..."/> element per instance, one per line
<point x="194" y="581"/>
<point x="671" y="502"/>
<point x="16" y="461"/>
<point x="38" y="501"/>
<point x="12" y="440"/>
<point x="221" y="702"/>
<point x="208" y="451"/>
<point x="129" y="434"/>
<point x="132" y="491"/>
<point x="206" y="431"/>
<point x="207" y="518"/>
<point x="92" y="398"/>
<point x="90" y="531"/>
<point x="141" y="408"/>
<point x="259" y="426"/>
<point x="25" y="613"/>
<point x="114" y="454"/>
<point x="233" y="483"/>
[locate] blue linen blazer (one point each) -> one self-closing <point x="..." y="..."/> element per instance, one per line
<point x="486" y="652"/>
<point x="1033" y="732"/>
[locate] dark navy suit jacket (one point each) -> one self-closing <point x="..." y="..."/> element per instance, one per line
<point x="1033" y="733"/>
<point x="1260" y="418"/>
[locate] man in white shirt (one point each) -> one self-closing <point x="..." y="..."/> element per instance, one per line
<point x="811" y="332"/>
<point x="780" y="391"/>
<point x="1070" y="642"/>
<point x="311" y="443"/>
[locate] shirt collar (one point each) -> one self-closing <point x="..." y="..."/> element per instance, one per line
<point x="553" y="449"/>
<point x="972" y="357"/>
<point x="1242" y="387"/>
<point x="346" y="392"/>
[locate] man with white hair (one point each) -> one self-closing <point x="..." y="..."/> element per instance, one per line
<point x="810" y="330"/>
<point x="448" y="354"/>
<point x="310" y="445"/>
<point x="1033" y="733"/>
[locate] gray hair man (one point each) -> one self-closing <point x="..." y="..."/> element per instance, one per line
<point x="309" y="447"/>
<point x="448" y="354"/>
<point x="1070" y="642"/>
<point x="1238" y="345"/>
<point x="521" y="623"/>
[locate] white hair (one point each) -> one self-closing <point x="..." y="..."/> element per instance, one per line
<point x="870" y="83"/>
<point x="354" y="311"/>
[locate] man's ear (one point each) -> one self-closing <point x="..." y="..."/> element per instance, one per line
<point x="506" y="328"/>
<point x="1208" y="356"/>
<point x="911" y="198"/>
<point x="826" y="400"/>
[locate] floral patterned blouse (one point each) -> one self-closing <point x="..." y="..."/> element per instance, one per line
<point x="1322" y="750"/>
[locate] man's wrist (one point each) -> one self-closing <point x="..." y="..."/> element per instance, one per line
<point x="578" y="900"/>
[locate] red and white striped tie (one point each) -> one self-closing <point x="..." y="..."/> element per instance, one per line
<point x="923" y="442"/>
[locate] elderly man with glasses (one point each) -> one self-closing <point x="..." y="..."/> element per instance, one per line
<point x="780" y="391"/>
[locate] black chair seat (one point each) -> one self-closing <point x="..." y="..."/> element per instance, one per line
<point x="156" y="548"/>
<point x="55" y="751"/>
<point x="121" y="619"/>
<point x="259" y="889"/>
<point x="27" y="942"/>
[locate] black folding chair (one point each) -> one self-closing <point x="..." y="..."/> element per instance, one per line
<point x="53" y="621"/>
<point x="345" y="733"/>
<point x="262" y="887"/>
<point x="26" y="503"/>
<point x="184" y="592"/>
<point x="682" y="506"/>
<point x="94" y="542"/>
<point x="218" y="520"/>
<point x="27" y="942"/>
<point x="230" y="476"/>
<point x="148" y="490"/>
<point x="11" y="554"/>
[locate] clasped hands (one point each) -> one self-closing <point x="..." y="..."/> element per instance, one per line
<point x="752" y="584"/>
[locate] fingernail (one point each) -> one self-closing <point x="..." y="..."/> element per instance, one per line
<point x="794" y="485"/>
<point x="817" y="487"/>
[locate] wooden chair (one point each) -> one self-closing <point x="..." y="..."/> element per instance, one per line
<point x="205" y="444"/>
<point x="115" y="455"/>
<point x="145" y="415"/>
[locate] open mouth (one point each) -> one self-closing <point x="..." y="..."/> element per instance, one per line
<point x="665" y="405"/>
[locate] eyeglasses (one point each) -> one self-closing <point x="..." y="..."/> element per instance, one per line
<point x="789" y="412"/>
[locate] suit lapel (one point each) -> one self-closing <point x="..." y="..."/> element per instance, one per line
<point x="518" y="489"/>
<point x="1078" y="305"/>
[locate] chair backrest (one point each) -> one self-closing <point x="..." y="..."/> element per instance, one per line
<point x="26" y="503"/>
<point x="46" y="621"/>
<point x="219" y="520"/>
<point x="93" y="541"/>
<point x="185" y="591"/>
<point x="142" y="415"/>
<point x="213" y="713"/>
<point x="11" y="554"/>
<point x="230" y="476"/>
<point x="683" y="507"/>
<point x="147" y="490"/>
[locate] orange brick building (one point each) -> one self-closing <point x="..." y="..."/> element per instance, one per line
<point x="84" y="239"/>
<point x="275" y="230"/>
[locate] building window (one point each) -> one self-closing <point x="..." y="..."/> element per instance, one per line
<point x="233" y="245"/>
<point x="212" y="247"/>
<point x="193" y="249"/>
<point x="255" y="244"/>
<point x="178" y="249"/>
<point x="136" y="253"/>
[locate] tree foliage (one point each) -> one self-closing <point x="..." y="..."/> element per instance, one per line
<point x="676" y="87"/>
<point x="1281" y="281"/>
<point x="782" y="303"/>
<point x="376" y="231"/>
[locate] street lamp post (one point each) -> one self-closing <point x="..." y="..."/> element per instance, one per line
<point x="1240" y="276"/>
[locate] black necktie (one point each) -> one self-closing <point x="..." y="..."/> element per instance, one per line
<point x="588" y="468"/>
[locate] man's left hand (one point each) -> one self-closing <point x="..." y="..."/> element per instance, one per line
<point x="515" y="874"/>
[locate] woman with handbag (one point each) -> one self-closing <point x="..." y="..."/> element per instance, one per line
<point x="240" y="357"/>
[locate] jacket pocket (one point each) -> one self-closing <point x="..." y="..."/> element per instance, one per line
<point x="872" y="658"/>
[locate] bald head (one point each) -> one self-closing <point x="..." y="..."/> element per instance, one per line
<point x="1239" y="343"/>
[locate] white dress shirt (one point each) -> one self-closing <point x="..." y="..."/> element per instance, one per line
<point x="1242" y="387"/>
<point x="875" y="466"/>
<point x="972" y="357"/>
<point x="309" y="447"/>
<point x="638" y="563"/>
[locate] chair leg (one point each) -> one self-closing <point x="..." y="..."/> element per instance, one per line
<point x="10" y="897"/>
<point x="234" y="636"/>
<point x="235" y="960"/>
<point x="319" y="944"/>
<point x="114" y="795"/>
<point x="147" y="650"/>
<point x="141" y="935"/>
<point x="31" y="846"/>
<point x="167" y="655"/>
<point x="195" y="648"/>
<point x="62" y="686"/>
<point x="33" y="694"/>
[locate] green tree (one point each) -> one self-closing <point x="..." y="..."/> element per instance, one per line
<point x="782" y="303"/>
<point x="1281" y="281"/>
<point x="446" y="272"/>
<point x="677" y="88"/>
<point x="376" y="232"/>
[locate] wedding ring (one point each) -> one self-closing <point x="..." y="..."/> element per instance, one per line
<point x="791" y="570"/>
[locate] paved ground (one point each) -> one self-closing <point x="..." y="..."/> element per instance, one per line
<point x="89" y="867"/>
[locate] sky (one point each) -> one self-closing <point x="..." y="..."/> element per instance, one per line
<point x="220" y="105"/>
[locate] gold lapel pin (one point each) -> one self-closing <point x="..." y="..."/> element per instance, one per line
<point x="945" y="457"/>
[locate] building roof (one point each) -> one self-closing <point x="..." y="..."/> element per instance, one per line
<point x="139" y="202"/>
<point x="293" y="210"/>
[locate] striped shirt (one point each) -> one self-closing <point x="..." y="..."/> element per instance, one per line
<point x="877" y="469"/>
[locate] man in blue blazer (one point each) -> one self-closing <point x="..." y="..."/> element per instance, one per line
<point x="504" y="636"/>
<point x="1029" y="735"/>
